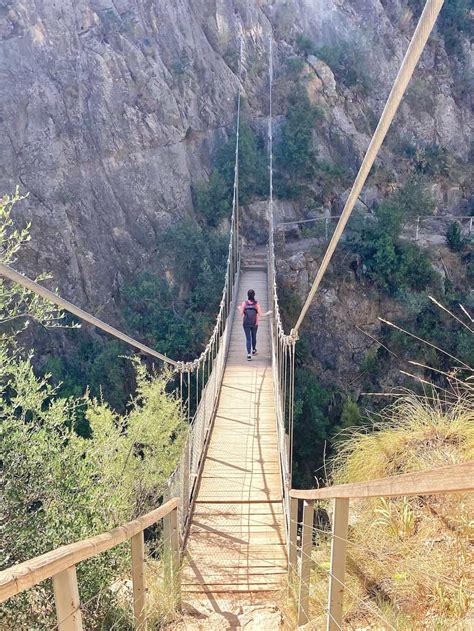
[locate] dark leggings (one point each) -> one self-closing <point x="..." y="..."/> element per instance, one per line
<point x="251" y="337"/>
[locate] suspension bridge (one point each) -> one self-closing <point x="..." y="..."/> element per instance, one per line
<point x="232" y="522"/>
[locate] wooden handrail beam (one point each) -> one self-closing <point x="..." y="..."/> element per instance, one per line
<point x="450" y="479"/>
<point x="25" y="575"/>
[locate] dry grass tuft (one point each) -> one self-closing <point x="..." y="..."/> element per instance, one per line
<point x="412" y="434"/>
<point x="410" y="559"/>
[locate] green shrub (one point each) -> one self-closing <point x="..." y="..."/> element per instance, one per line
<point x="304" y="45"/>
<point x="58" y="487"/>
<point x="455" y="22"/>
<point x="347" y="63"/>
<point x="95" y="363"/>
<point x="395" y="265"/>
<point x="432" y="160"/>
<point x="454" y="237"/>
<point x="294" y="152"/>
<point x="214" y="197"/>
<point x="153" y="308"/>
<point x="294" y="66"/>
<point x="312" y="425"/>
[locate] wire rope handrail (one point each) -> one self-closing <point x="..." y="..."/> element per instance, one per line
<point x="456" y="478"/>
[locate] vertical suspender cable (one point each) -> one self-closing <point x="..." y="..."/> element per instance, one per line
<point x="189" y="396"/>
<point x="270" y="138"/>
<point x="181" y="393"/>
<point x="292" y="409"/>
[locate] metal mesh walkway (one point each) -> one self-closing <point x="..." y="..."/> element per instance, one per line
<point x="237" y="536"/>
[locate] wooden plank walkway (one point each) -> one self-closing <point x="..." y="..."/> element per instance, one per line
<point x="236" y="540"/>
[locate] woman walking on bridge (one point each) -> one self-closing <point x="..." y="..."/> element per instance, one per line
<point x="250" y="311"/>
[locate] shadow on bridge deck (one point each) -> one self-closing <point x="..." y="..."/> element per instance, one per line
<point x="236" y="542"/>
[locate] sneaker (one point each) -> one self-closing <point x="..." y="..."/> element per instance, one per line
<point x="249" y="358"/>
<point x="254" y="352"/>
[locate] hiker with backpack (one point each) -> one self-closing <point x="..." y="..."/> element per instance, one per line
<point x="251" y="310"/>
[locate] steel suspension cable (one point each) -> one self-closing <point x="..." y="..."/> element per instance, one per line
<point x="38" y="289"/>
<point x="417" y="44"/>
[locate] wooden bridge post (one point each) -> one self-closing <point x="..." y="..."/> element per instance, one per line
<point x="292" y="544"/>
<point x="305" y="568"/>
<point x="138" y="580"/>
<point x="172" y="553"/>
<point x="68" y="604"/>
<point x="338" y="563"/>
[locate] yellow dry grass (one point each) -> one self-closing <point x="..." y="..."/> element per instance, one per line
<point x="409" y="559"/>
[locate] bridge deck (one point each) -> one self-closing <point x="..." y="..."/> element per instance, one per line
<point x="237" y="538"/>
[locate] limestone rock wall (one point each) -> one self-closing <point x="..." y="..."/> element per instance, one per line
<point x="110" y="111"/>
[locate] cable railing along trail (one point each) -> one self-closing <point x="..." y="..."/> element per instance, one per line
<point x="455" y="478"/>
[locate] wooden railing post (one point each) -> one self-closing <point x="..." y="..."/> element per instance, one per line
<point x="68" y="604"/>
<point x="292" y="544"/>
<point x="338" y="563"/>
<point x="138" y="580"/>
<point x="172" y="553"/>
<point x="175" y="553"/>
<point x="305" y="567"/>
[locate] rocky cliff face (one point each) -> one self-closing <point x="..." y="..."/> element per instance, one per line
<point x="110" y="112"/>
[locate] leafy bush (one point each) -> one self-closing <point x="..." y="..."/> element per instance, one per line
<point x="152" y="306"/>
<point x="294" y="66"/>
<point x="294" y="153"/>
<point x="214" y="198"/>
<point x="431" y="159"/>
<point x="395" y="265"/>
<point x="456" y="21"/>
<point x="253" y="166"/>
<point x="56" y="486"/>
<point x="454" y="237"/>
<point x="312" y="426"/>
<point x="304" y="45"/>
<point x="344" y="58"/>
<point x="95" y="363"/>
<point x="347" y="63"/>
